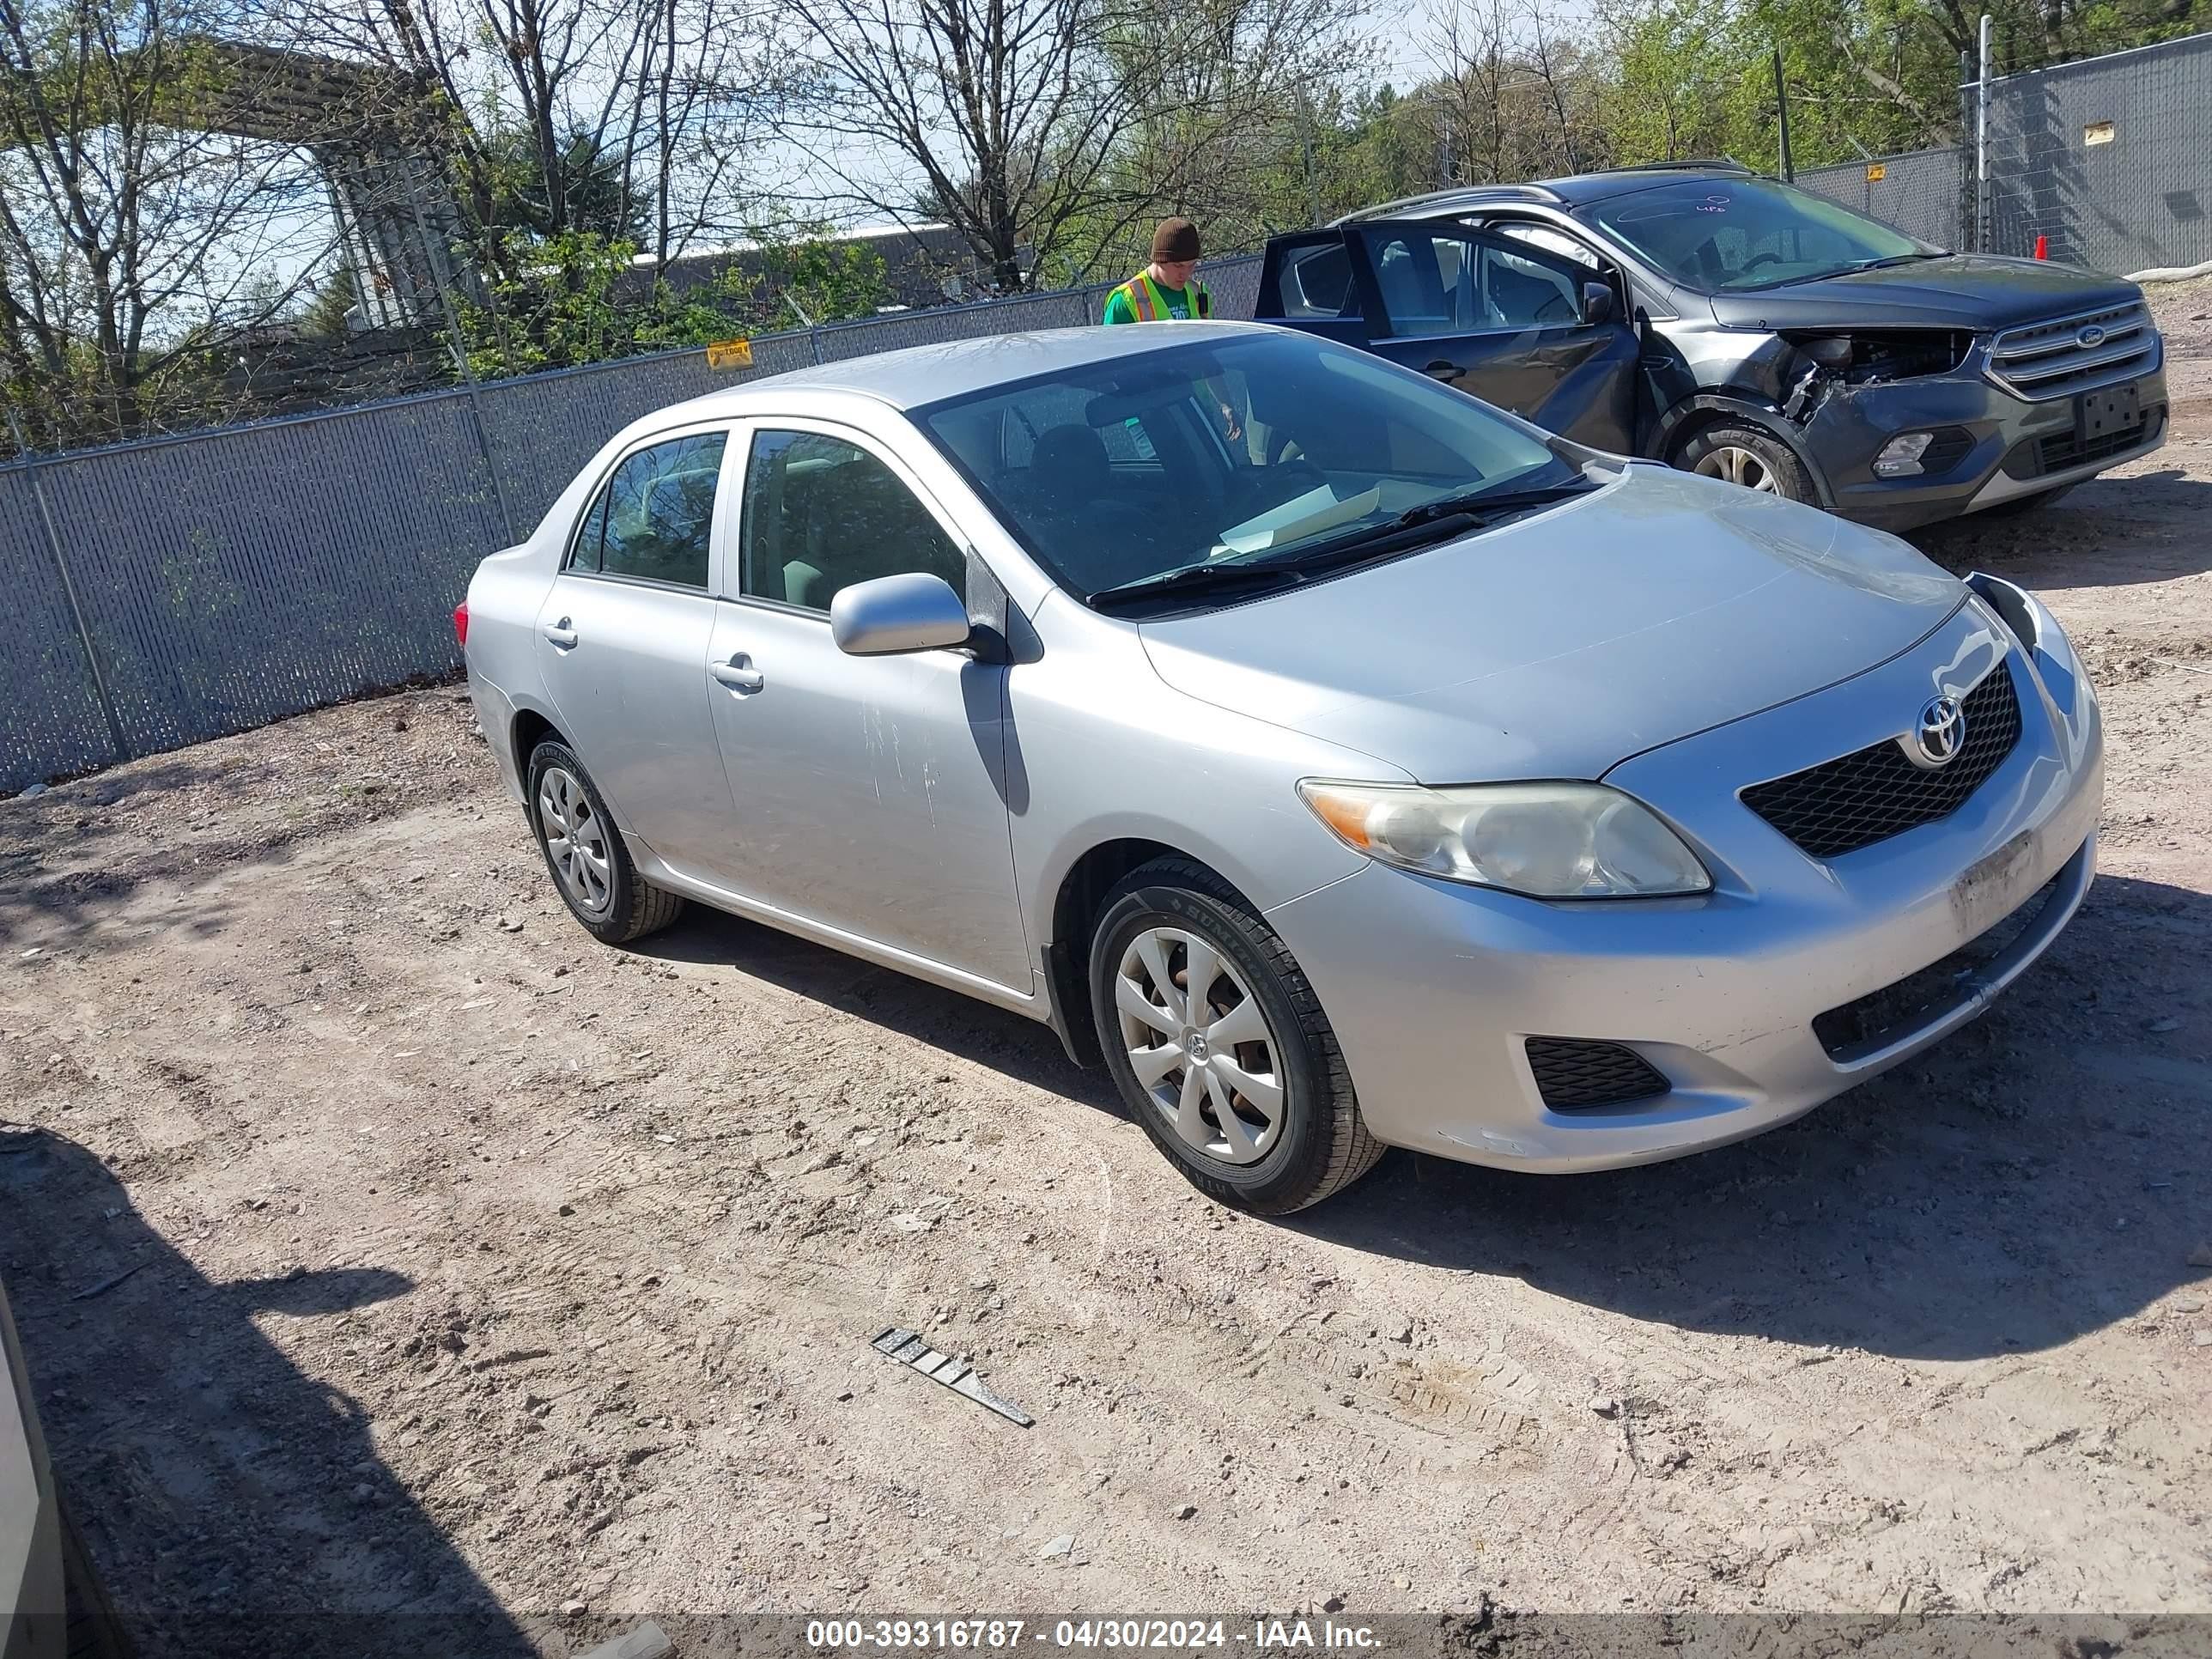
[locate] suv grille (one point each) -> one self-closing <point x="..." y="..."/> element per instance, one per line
<point x="1572" y="1072"/>
<point x="1871" y="795"/>
<point x="2048" y="360"/>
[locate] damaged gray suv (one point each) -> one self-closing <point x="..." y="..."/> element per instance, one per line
<point x="1736" y="327"/>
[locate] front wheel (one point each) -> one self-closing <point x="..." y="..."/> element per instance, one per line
<point x="1220" y="1046"/>
<point x="1748" y="456"/>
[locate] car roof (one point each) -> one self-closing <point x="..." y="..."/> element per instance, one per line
<point x="1573" y="191"/>
<point x="950" y="369"/>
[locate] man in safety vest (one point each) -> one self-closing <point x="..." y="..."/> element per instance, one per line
<point x="1167" y="287"/>
<point x="1168" y="290"/>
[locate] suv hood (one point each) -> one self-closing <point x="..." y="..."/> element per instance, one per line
<point x="1561" y="644"/>
<point x="1976" y="292"/>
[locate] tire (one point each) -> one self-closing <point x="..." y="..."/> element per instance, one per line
<point x="628" y="907"/>
<point x="1740" y="453"/>
<point x="1316" y="1144"/>
<point x="2020" y="504"/>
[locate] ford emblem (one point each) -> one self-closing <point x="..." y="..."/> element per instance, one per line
<point x="2091" y="336"/>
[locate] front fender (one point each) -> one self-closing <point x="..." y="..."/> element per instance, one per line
<point x="1760" y="411"/>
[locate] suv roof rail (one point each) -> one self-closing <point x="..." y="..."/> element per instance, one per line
<point x="1687" y="164"/>
<point x="1437" y="198"/>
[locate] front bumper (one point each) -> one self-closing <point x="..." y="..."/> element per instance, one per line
<point x="1433" y="987"/>
<point x="2006" y="458"/>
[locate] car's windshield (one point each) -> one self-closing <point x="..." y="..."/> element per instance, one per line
<point x="1223" y="453"/>
<point x="1725" y="234"/>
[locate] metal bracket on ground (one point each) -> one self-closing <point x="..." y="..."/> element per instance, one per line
<point x="910" y="1349"/>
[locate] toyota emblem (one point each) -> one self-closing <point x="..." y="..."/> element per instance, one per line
<point x="1942" y="730"/>
<point x="2090" y="337"/>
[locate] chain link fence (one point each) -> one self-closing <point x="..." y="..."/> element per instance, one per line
<point x="1921" y="192"/>
<point x="2109" y="160"/>
<point x="178" y="589"/>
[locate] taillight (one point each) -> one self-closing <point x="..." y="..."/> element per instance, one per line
<point x="461" y="623"/>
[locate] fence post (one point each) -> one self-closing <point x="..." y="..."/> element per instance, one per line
<point x="69" y="590"/>
<point x="1984" y="225"/>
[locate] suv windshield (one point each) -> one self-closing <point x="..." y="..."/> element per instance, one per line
<point x="1738" y="232"/>
<point x="1233" y="456"/>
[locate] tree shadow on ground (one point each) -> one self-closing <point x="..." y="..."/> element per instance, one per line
<point x="2032" y="1179"/>
<point x="164" y="1403"/>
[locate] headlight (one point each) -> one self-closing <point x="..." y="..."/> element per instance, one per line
<point x="1544" y="840"/>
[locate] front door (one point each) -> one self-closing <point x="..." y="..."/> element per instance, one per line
<point x="1495" y="317"/>
<point x="624" y="635"/>
<point x="868" y="792"/>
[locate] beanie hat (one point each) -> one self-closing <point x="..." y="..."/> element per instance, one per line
<point x="1174" y="241"/>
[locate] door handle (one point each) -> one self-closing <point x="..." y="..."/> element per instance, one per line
<point x="1441" y="370"/>
<point x="738" y="674"/>
<point x="561" y="635"/>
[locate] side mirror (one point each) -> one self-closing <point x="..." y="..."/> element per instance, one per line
<point x="893" y="615"/>
<point x="1597" y="303"/>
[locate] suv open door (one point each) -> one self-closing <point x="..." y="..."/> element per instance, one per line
<point x="1513" y="325"/>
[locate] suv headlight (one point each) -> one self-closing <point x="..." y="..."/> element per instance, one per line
<point x="1543" y="840"/>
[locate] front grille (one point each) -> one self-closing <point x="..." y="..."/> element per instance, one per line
<point x="1572" y="1072"/>
<point x="1871" y="1022"/>
<point x="1875" y="793"/>
<point x="2048" y="360"/>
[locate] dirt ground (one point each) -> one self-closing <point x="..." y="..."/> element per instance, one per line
<point x="484" y="1277"/>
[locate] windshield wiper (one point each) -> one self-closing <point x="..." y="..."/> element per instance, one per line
<point x="1194" y="579"/>
<point x="1488" y="505"/>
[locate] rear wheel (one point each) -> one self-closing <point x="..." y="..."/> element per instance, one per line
<point x="1220" y="1046"/>
<point x="1748" y="456"/>
<point x="584" y="851"/>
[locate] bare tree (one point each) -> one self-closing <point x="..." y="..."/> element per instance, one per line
<point x="148" y="213"/>
<point x="1032" y="126"/>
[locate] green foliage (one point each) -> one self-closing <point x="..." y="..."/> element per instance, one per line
<point x="581" y="298"/>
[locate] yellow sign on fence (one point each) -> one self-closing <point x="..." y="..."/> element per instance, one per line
<point x="730" y="353"/>
<point x="1876" y="172"/>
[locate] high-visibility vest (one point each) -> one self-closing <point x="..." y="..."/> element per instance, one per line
<point x="1151" y="304"/>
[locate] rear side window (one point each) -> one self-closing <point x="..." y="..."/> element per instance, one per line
<point x="1315" y="282"/>
<point x="654" y="518"/>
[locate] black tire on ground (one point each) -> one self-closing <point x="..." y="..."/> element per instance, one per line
<point x="1775" y="457"/>
<point x="1322" y="1146"/>
<point x="2020" y="504"/>
<point x="634" y="906"/>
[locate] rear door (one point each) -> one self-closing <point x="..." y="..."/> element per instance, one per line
<point x="1496" y="317"/>
<point x="624" y="635"/>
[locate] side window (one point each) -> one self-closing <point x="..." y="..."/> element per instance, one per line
<point x="655" y="517"/>
<point x="1518" y="293"/>
<point x="821" y="514"/>
<point x="1543" y="237"/>
<point x="1424" y="281"/>
<point x="1315" y="282"/>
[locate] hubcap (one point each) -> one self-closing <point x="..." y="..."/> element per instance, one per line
<point x="1199" y="1045"/>
<point x="576" y="840"/>
<point x="1739" y="466"/>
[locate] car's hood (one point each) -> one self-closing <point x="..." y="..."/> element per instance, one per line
<point x="1559" y="645"/>
<point x="1980" y="292"/>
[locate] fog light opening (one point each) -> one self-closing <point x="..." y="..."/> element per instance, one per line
<point x="1900" y="456"/>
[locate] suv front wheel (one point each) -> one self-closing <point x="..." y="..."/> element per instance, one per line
<point x="1743" y="454"/>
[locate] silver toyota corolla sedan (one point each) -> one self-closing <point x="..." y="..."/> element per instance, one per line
<point x="1341" y="761"/>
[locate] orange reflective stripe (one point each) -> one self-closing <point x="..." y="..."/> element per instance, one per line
<point x="1144" y="298"/>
